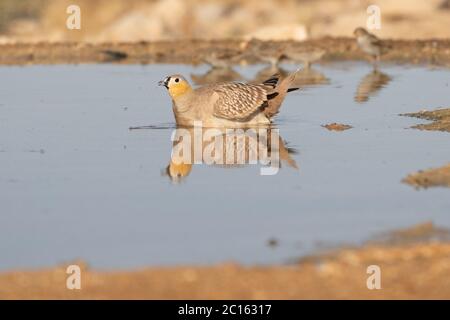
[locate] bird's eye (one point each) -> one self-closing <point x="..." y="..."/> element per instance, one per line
<point x="177" y="80"/>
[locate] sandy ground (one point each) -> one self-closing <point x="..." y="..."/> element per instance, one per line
<point x="434" y="52"/>
<point x="407" y="272"/>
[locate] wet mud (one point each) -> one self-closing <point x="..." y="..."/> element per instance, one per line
<point x="440" y="119"/>
<point x="337" y="126"/>
<point x="436" y="177"/>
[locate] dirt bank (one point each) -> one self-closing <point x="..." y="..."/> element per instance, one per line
<point x="435" y="52"/>
<point x="407" y="272"/>
<point x="440" y="118"/>
<point x="438" y="177"/>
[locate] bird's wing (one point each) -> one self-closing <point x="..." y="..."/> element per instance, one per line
<point x="374" y="39"/>
<point x="384" y="47"/>
<point x="238" y="101"/>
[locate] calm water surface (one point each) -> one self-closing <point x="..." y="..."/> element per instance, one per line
<point x="75" y="182"/>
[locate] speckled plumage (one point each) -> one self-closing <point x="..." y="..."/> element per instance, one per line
<point x="239" y="101"/>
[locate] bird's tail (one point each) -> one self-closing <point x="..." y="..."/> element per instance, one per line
<point x="280" y="88"/>
<point x="284" y="85"/>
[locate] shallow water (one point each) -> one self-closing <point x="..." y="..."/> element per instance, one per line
<point x="75" y="182"/>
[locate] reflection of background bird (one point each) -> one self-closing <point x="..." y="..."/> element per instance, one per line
<point x="370" y="44"/>
<point x="307" y="55"/>
<point x="240" y="153"/>
<point x="268" y="72"/>
<point x="304" y="78"/>
<point x="221" y="59"/>
<point x="266" y="51"/>
<point x="216" y="75"/>
<point x="370" y="85"/>
<point x="310" y="77"/>
<point x="221" y="67"/>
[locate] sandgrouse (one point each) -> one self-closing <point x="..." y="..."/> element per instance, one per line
<point x="229" y="104"/>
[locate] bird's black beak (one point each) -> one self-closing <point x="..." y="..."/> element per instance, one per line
<point x="164" y="83"/>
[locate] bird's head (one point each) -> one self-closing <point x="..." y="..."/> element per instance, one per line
<point x="360" y="32"/>
<point x="176" y="84"/>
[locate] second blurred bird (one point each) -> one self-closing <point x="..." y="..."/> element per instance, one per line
<point x="221" y="68"/>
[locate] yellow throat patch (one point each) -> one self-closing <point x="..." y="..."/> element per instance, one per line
<point x="179" y="169"/>
<point x="179" y="89"/>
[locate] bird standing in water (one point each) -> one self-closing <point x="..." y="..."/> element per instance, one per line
<point x="370" y="44"/>
<point x="229" y="104"/>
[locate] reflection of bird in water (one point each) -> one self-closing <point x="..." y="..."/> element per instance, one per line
<point x="304" y="78"/>
<point x="216" y="75"/>
<point x="370" y="44"/>
<point x="310" y="77"/>
<point x="222" y="59"/>
<point x="221" y="68"/>
<point x="176" y="171"/>
<point x="307" y="55"/>
<point x="268" y="72"/>
<point x="266" y="51"/>
<point x="227" y="149"/>
<point x="370" y="85"/>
